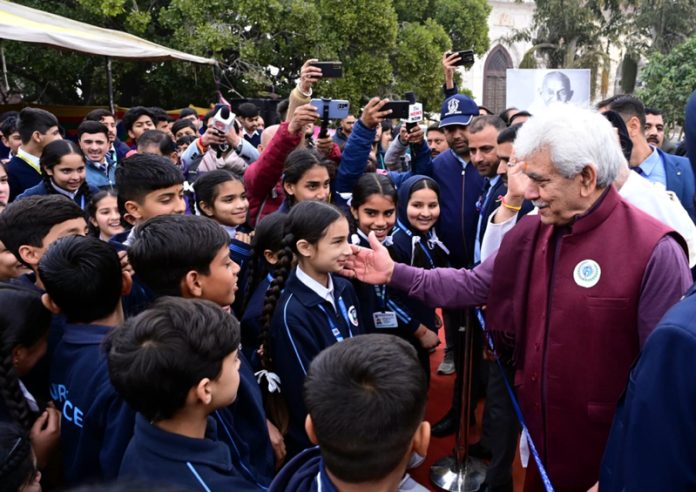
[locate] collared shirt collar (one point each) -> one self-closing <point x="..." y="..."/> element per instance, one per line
<point x="230" y="230"/>
<point x="23" y="154"/>
<point x="64" y="192"/>
<point x="131" y="237"/>
<point x="326" y="293"/>
<point x="648" y="165"/>
<point x="459" y="158"/>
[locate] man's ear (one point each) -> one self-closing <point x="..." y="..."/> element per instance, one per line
<point x="192" y="286"/>
<point x="588" y="180"/>
<point x="421" y="439"/>
<point x="29" y="255"/>
<point x="309" y="429"/>
<point x="126" y="283"/>
<point x="304" y="248"/>
<point x="133" y="209"/>
<point x="49" y="304"/>
<point x="634" y="127"/>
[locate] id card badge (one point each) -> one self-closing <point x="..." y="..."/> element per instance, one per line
<point x="384" y="320"/>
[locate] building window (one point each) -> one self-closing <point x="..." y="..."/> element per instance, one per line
<point x="494" y="78"/>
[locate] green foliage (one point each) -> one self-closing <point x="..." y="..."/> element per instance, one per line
<point x="669" y="80"/>
<point x="387" y="48"/>
<point x="466" y="22"/>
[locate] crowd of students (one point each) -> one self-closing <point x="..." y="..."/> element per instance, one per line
<point x="172" y="313"/>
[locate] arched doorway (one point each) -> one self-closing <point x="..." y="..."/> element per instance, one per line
<point x="494" y="78"/>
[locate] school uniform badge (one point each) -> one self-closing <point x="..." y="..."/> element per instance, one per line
<point x="353" y="315"/>
<point x="587" y="273"/>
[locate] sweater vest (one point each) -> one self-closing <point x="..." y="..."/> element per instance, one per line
<point x="569" y="300"/>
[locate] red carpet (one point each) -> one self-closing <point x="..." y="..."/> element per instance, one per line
<point x="439" y="401"/>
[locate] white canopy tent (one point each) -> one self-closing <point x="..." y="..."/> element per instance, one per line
<point x="20" y="23"/>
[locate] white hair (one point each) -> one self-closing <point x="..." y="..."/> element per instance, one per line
<point x="575" y="138"/>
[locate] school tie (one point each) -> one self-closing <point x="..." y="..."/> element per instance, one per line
<point x="484" y="192"/>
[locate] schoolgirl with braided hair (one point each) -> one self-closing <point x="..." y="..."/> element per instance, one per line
<point x="63" y="172"/>
<point x="265" y="247"/>
<point x="18" y="471"/>
<point x="307" y="308"/>
<point x="24" y="325"/>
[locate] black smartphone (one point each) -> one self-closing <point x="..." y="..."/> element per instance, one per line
<point x="466" y="58"/>
<point x="330" y="69"/>
<point x="399" y="109"/>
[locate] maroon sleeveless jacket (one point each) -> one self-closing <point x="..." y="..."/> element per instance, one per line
<point x="569" y="300"/>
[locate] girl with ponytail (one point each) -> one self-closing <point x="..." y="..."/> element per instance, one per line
<point x="63" y="172"/>
<point x="24" y="324"/>
<point x="265" y="248"/>
<point x="307" y="308"/>
<point x="306" y="176"/>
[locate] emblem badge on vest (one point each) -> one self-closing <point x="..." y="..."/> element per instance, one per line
<point x="353" y="315"/>
<point x="587" y="273"/>
<point x="452" y="107"/>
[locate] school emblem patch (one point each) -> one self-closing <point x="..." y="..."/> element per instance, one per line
<point x="353" y="315"/>
<point x="587" y="273"/>
<point x="452" y="107"/>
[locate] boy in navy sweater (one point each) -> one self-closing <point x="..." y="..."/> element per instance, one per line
<point x="84" y="281"/>
<point x="366" y="417"/>
<point x="188" y="256"/>
<point x="148" y="186"/>
<point x="176" y="364"/>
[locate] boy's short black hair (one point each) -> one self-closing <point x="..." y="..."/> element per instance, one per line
<point x="34" y="120"/>
<point x="83" y="277"/>
<point x="9" y="126"/>
<point x="155" y="358"/>
<point x="133" y="114"/>
<point x="29" y="220"/>
<point x="142" y="174"/>
<point x="188" y="112"/>
<point x="167" y="247"/>
<point x="653" y="111"/>
<point x="99" y="114"/>
<point x="91" y="127"/>
<point x="247" y="110"/>
<point x="159" y="115"/>
<point x="377" y="376"/>
<point x="156" y="138"/>
<point x="181" y="124"/>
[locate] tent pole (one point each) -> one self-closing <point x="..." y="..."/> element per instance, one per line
<point x="110" y="84"/>
<point x="4" y="67"/>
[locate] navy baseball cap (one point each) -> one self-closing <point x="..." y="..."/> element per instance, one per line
<point x="458" y="110"/>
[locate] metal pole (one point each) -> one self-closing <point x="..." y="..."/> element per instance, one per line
<point x="461" y="472"/>
<point x="110" y="84"/>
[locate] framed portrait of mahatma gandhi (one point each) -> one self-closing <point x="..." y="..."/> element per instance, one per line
<point x="535" y="89"/>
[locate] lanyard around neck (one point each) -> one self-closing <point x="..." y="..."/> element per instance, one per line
<point x="332" y="323"/>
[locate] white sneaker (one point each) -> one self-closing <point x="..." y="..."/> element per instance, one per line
<point x="447" y="364"/>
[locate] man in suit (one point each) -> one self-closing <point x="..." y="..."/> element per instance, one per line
<point x="483" y="137"/>
<point x="668" y="171"/>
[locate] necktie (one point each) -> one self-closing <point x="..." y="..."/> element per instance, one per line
<point x="639" y="170"/>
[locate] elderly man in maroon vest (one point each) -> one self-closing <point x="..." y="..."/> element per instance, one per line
<point x="573" y="291"/>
